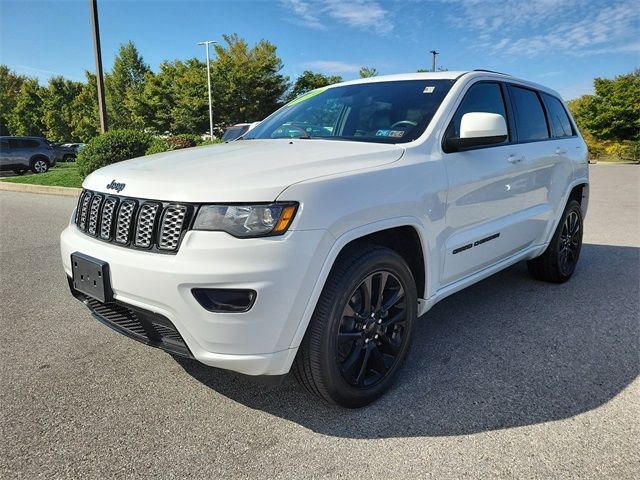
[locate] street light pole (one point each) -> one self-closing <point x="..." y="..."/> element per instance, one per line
<point x="433" y="60"/>
<point x="102" y="106"/>
<point x="206" y="46"/>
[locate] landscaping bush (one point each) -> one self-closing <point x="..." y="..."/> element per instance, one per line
<point x="112" y="147"/>
<point x="211" y="142"/>
<point x="158" y="145"/>
<point x="184" y="140"/>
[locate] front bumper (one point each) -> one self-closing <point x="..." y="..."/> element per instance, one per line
<point x="282" y="270"/>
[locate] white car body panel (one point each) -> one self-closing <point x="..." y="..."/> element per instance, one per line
<point x="345" y="190"/>
<point x="240" y="171"/>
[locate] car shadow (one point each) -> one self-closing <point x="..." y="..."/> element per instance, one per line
<point x="504" y="353"/>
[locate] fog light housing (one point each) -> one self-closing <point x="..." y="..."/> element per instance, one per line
<point x="224" y="300"/>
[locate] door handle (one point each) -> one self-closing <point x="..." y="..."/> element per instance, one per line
<point x="561" y="151"/>
<point x="515" y="158"/>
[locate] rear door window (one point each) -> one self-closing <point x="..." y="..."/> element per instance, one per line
<point x="531" y="123"/>
<point x="14" y="144"/>
<point x="560" y="123"/>
<point x="29" y="143"/>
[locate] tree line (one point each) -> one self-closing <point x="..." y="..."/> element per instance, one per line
<point x="609" y="119"/>
<point x="246" y="86"/>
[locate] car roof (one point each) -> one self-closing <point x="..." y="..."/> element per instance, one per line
<point x="448" y="75"/>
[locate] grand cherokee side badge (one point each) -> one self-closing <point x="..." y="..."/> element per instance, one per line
<point x="118" y="187"/>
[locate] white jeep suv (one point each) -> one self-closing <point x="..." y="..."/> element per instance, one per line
<point x="316" y="241"/>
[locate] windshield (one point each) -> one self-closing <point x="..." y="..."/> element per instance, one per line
<point x="382" y="112"/>
<point x="231" y="133"/>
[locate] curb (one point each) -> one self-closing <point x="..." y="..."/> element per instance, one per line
<point x="43" y="189"/>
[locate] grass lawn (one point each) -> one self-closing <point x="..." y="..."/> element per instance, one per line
<point x="62" y="175"/>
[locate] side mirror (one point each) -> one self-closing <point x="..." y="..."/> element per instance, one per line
<point x="478" y="129"/>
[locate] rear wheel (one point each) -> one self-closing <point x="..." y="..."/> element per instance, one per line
<point x="559" y="260"/>
<point x="19" y="172"/>
<point x="69" y="158"/>
<point x="361" y="329"/>
<point x="39" y="165"/>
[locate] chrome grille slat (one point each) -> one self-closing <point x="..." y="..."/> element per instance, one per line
<point x="107" y="217"/>
<point x="135" y="223"/>
<point x="94" y="210"/>
<point x="171" y="226"/>
<point x="84" y="211"/>
<point x="123" y="225"/>
<point x="146" y="222"/>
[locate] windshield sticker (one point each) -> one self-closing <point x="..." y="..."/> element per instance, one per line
<point x="390" y="133"/>
<point x="428" y="89"/>
<point x="306" y="97"/>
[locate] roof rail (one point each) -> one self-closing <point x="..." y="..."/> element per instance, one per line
<point x="490" y="71"/>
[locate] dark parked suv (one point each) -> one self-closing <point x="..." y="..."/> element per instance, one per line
<point x="26" y="153"/>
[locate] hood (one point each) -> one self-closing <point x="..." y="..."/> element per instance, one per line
<point x="240" y="171"/>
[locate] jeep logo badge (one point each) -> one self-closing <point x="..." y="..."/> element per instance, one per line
<point x="118" y="187"/>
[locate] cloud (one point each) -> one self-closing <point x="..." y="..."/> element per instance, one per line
<point x="360" y="14"/>
<point x="332" y="66"/>
<point x="571" y="27"/>
<point x="304" y="13"/>
<point x="550" y="74"/>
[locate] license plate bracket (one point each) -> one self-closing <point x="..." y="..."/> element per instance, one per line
<point x="91" y="277"/>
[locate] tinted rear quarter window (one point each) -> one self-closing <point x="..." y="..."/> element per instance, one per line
<point x="30" y="143"/>
<point x="560" y="123"/>
<point x="531" y="123"/>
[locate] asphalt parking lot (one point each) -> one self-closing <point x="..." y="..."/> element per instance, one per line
<point x="509" y="378"/>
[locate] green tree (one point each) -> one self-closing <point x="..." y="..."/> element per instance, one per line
<point x="366" y="72"/>
<point x="190" y="109"/>
<point x="10" y="84"/>
<point x="310" y="81"/>
<point x="174" y="100"/>
<point x="27" y="114"/>
<point x="246" y="81"/>
<point x="85" y="119"/>
<point x="613" y="111"/>
<point x="123" y="85"/>
<point x="57" y="106"/>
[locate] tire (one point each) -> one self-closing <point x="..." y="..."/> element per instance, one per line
<point x="559" y="260"/>
<point x="69" y="158"/>
<point x="39" y="165"/>
<point x="19" y="172"/>
<point x="350" y="355"/>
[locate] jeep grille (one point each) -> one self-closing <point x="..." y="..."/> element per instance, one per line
<point x="131" y="222"/>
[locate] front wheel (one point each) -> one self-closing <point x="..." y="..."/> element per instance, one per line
<point x="361" y="329"/>
<point x="39" y="165"/>
<point x="559" y="260"/>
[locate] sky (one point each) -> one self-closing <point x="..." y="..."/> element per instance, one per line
<point x="563" y="44"/>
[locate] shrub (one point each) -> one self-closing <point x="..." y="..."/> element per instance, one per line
<point x="184" y="140"/>
<point x="112" y="147"/>
<point x="596" y="148"/>
<point x="158" y="145"/>
<point x="211" y="142"/>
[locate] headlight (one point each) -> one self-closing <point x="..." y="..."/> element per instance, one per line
<point x="246" y="220"/>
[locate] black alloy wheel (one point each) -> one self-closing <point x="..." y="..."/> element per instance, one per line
<point x="372" y="330"/>
<point x="361" y="329"/>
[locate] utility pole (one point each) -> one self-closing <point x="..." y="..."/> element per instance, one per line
<point x="102" y="106"/>
<point x="433" y="60"/>
<point x="206" y="46"/>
